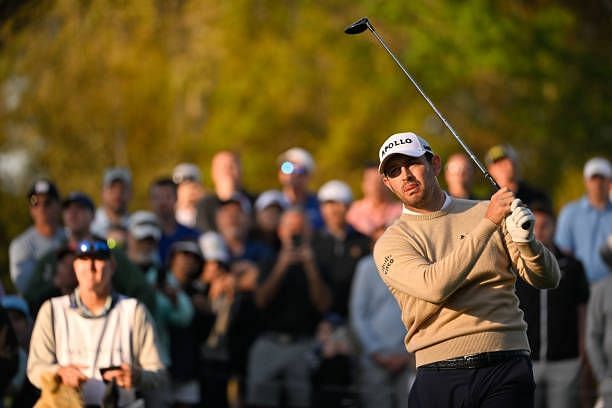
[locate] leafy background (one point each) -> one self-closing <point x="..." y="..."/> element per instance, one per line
<point x="147" y="84"/>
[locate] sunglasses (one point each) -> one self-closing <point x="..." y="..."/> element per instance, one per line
<point x="36" y="201"/>
<point x="394" y="168"/>
<point x="93" y="250"/>
<point x="290" y="168"/>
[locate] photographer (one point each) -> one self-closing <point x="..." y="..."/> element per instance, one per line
<point x="291" y="296"/>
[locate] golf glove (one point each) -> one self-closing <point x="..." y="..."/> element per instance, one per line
<point x="515" y="221"/>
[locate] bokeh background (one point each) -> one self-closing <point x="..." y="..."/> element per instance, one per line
<point x="147" y="84"/>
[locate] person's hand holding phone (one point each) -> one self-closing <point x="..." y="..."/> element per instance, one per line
<point x="124" y="375"/>
<point x="71" y="375"/>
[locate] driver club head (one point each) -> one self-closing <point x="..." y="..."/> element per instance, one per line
<point x="358" y="26"/>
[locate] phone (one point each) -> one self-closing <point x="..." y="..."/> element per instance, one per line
<point x="111" y="368"/>
<point x="296" y="240"/>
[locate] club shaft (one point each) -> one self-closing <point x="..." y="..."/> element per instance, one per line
<point x="431" y="104"/>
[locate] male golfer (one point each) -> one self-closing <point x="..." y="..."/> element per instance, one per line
<point x="452" y="264"/>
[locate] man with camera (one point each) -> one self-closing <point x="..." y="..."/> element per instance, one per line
<point x="291" y="297"/>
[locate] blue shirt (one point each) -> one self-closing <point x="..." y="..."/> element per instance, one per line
<point x="374" y="312"/>
<point x="583" y="230"/>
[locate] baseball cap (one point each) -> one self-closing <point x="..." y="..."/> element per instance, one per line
<point x="406" y="143"/>
<point x="117" y="174"/>
<point x="499" y="152"/>
<point x="79" y="198"/>
<point x="186" y="172"/>
<point x="143" y="224"/>
<point x="335" y="190"/>
<point x="43" y="186"/>
<point x="268" y="198"/>
<point x="213" y="247"/>
<point x="190" y="247"/>
<point x="296" y="160"/>
<point x="96" y="249"/>
<point x="597" y="166"/>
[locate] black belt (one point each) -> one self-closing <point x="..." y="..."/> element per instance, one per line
<point x="477" y="360"/>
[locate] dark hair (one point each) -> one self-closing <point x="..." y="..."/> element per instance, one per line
<point x="543" y="207"/>
<point x="163" y="182"/>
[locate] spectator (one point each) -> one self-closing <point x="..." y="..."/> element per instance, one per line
<point x="585" y="224"/>
<point x="296" y="166"/>
<point x="45" y="235"/>
<point x="189" y="192"/>
<point x="599" y="329"/>
<point x="226" y="173"/>
<point x="116" y="196"/>
<point x="502" y="164"/>
<point x="230" y="309"/>
<point x="21" y="390"/>
<point x="337" y="246"/>
<point x="292" y="295"/>
<point x="377" y="207"/>
<point x="459" y="173"/>
<point x="556" y="321"/>
<point x="162" y="196"/>
<point x="185" y="263"/>
<point x="47" y="281"/>
<point x="386" y="370"/>
<point x="269" y="207"/>
<point x="172" y="305"/>
<point x="67" y="327"/>
<point x="233" y="222"/>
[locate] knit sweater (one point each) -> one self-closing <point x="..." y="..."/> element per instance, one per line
<point x="453" y="273"/>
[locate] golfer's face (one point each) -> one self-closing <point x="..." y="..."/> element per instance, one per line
<point x="411" y="179"/>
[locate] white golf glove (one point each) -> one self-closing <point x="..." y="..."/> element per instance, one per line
<point x="516" y="220"/>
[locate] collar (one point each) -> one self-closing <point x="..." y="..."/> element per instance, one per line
<point x="447" y="202"/>
<point x="77" y="303"/>
<point x="584" y="202"/>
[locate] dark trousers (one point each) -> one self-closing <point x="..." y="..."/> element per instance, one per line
<point x="507" y="384"/>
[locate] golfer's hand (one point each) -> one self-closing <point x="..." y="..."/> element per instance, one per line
<point x="514" y="222"/>
<point x="71" y="375"/>
<point x="499" y="206"/>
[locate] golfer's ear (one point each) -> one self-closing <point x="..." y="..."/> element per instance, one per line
<point x="385" y="180"/>
<point x="436" y="162"/>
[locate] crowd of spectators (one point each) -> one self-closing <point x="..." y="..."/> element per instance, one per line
<point x="271" y="299"/>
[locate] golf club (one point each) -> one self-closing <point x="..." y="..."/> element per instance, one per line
<point x="363" y="24"/>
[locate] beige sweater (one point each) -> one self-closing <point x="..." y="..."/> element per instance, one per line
<point x="453" y="273"/>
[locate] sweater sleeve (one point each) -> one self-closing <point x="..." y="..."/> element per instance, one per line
<point x="42" y="358"/>
<point x="146" y="351"/>
<point x="404" y="268"/>
<point x="534" y="263"/>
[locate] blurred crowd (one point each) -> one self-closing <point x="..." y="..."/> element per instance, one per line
<point x="273" y="299"/>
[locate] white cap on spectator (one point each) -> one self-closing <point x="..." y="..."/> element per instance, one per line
<point x="299" y="157"/>
<point x="597" y="166"/>
<point x="213" y="247"/>
<point x="268" y="198"/>
<point x="335" y="190"/>
<point x="144" y="224"/>
<point x="117" y="174"/>
<point x="186" y="172"/>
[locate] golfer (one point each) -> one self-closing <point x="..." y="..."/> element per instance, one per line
<point x="452" y="265"/>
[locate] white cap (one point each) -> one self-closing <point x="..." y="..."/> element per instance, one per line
<point x="144" y="224"/>
<point x="117" y="174"/>
<point x="268" y="198"/>
<point x="408" y="144"/>
<point x="186" y="172"/>
<point x="213" y="247"/>
<point x="335" y="190"/>
<point x="298" y="156"/>
<point x="597" y="165"/>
